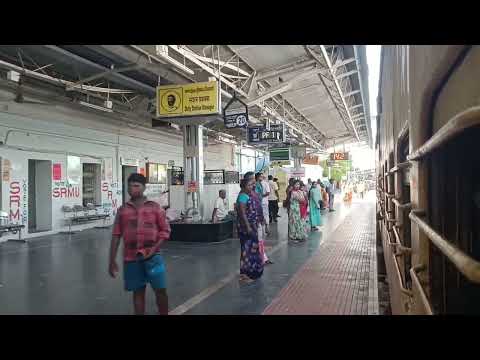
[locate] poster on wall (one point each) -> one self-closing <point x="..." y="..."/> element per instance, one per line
<point x="156" y="173"/>
<point x="192" y="187"/>
<point x="57" y="172"/>
<point x="298" y="172"/>
<point x="6" y="170"/>
<point x="157" y="193"/>
<point x="107" y="169"/>
<point x="74" y="170"/>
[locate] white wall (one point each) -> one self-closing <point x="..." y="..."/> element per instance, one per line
<point x="313" y="172"/>
<point x="53" y="133"/>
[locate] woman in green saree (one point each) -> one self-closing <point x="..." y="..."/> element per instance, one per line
<point x="315" y="196"/>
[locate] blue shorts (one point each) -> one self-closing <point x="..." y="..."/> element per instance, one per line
<point x="137" y="274"/>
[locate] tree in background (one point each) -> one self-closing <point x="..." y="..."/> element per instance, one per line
<point x="339" y="170"/>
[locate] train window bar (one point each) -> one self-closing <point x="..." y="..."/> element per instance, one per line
<point x="403" y="289"/>
<point x="403" y="133"/>
<point x="468" y="266"/>
<point x="401" y="166"/>
<point x="401" y="206"/>
<point x="417" y="287"/>
<point x="398" y="244"/>
<point x="455" y="126"/>
<point x="390" y="219"/>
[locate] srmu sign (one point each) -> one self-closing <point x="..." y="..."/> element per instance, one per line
<point x="66" y="192"/>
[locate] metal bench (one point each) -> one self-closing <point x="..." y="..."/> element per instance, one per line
<point x="81" y="214"/>
<point x="12" y="228"/>
<point x="7" y="227"/>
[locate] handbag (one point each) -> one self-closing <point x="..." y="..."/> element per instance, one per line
<point x="154" y="265"/>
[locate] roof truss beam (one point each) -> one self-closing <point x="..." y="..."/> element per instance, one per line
<point x="352" y="93"/>
<point x="189" y="55"/>
<point x="355" y="106"/>
<point x="121" y="79"/>
<point x="338" y="89"/>
<point x="284" y="86"/>
<point x="292" y="67"/>
<point x="342" y="63"/>
<point x="344" y="75"/>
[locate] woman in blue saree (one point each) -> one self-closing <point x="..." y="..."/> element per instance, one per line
<point x="315" y="197"/>
<point x="251" y="260"/>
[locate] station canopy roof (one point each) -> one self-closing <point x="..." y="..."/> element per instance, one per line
<point x="319" y="92"/>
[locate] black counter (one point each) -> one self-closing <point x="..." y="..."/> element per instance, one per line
<point x="201" y="232"/>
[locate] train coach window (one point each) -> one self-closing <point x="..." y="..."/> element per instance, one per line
<point x="455" y="213"/>
<point x="385" y="180"/>
<point x="403" y="151"/>
<point x="404" y="196"/>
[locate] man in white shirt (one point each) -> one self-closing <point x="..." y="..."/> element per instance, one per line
<point x="220" y="209"/>
<point x="265" y="192"/>
<point x="273" y="199"/>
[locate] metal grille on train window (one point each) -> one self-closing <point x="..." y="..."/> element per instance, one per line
<point x="454" y="181"/>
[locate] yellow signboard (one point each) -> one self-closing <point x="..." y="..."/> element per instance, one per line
<point x="188" y="99"/>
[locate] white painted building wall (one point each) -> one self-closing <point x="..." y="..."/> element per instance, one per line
<point x="53" y="133"/>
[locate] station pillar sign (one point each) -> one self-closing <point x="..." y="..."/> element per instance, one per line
<point x="235" y="114"/>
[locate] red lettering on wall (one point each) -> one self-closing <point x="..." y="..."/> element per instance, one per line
<point x="114" y="203"/>
<point x="15" y="187"/>
<point x="63" y="192"/>
<point x="15" y="215"/>
<point x="15" y="197"/>
<point x="105" y="187"/>
<point x="109" y="195"/>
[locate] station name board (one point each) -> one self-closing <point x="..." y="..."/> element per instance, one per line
<point x="188" y="99"/>
<point x="260" y="134"/>
<point x="340" y="156"/>
<point x="280" y="154"/>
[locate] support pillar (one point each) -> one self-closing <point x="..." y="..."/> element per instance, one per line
<point x="193" y="166"/>
<point x="297" y="163"/>
<point x="298" y="154"/>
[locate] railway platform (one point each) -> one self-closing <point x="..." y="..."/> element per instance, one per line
<point x="334" y="272"/>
